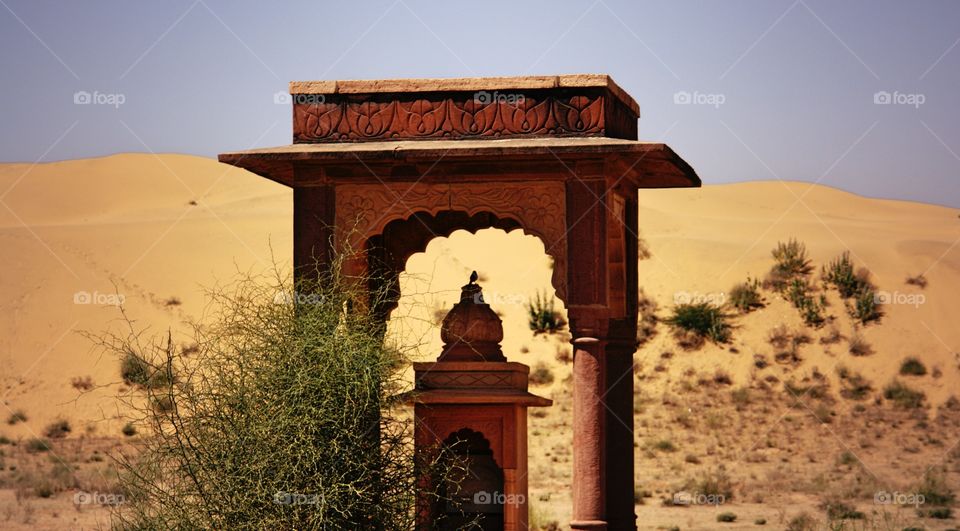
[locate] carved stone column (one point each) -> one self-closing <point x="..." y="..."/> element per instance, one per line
<point x="589" y="419"/>
<point x="313" y="217"/>
<point x="619" y="435"/>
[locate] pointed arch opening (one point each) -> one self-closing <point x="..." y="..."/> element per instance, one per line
<point x="435" y="257"/>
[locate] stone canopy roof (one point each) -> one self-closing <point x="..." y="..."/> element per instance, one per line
<point x="400" y="129"/>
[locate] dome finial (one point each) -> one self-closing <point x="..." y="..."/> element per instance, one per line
<point x="471" y="331"/>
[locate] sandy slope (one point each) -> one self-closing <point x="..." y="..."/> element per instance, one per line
<point x="704" y="241"/>
<point x="125" y="225"/>
<point x="102" y="228"/>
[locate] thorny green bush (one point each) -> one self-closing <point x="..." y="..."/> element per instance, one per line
<point x="285" y="416"/>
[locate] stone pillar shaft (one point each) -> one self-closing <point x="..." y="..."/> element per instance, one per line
<point x="589" y="419"/>
<point x="619" y="437"/>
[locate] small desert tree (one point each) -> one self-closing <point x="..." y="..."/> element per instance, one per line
<point x="283" y="417"/>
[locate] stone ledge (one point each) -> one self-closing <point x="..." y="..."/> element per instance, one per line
<point x="465" y="84"/>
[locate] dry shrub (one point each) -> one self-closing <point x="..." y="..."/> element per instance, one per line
<point x="281" y="403"/>
<point x="541" y="374"/>
<point x="542" y="315"/>
<point x="57" y="429"/>
<point x="695" y="322"/>
<point x="17" y="417"/>
<point x="853" y="385"/>
<point x="82" y="384"/>
<point x="779" y="337"/>
<point x="903" y="396"/>
<point x="745" y="296"/>
<point x="646" y="318"/>
<point x="858" y="345"/>
<point x="791" y="261"/>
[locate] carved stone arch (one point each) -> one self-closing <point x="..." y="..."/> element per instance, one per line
<point x="366" y="214"/>
<point x="387" y="253"/>
<point x="474" y="441"/>
<point x="482" y="434"/>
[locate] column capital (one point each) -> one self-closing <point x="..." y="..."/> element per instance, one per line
<point x="588" y="321"/>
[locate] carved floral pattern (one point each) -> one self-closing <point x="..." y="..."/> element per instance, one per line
<point x="453" y="117"/>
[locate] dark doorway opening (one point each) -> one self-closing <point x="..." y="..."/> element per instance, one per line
<point x="476" y="496"/>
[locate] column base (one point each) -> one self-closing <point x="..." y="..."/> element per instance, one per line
<point x="591" y="525"/>
<point x="625" y="525"/>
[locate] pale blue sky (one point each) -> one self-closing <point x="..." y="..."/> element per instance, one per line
<point x="797" y="79"/>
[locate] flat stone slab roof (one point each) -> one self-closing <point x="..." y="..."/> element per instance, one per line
<point x="446" y="148"/>
<point x="651" y="161"/>
<point x="462" y="84"/>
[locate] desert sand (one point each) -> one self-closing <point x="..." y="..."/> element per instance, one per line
<point x="79" y="236"/>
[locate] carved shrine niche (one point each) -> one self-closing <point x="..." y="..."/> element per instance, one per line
<point x="438" y="427"/>
<point x="363" y="210"/>
<point x="458" y="115"/>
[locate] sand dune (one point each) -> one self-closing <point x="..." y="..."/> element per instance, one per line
<point x="76" y="235"/>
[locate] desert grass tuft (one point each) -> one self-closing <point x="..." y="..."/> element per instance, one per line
<point x="701" y="320"/>
<point x="903" y="396"/>
<point x="745" y="296"/>
<point x="57" y="429"/>
<point x="912" y="367"/>
<point x="17" y="417"/>
<point x="790" y="259"/>
<point x="542" y="316"/>
<point x="858" y="346"/>
<point x="918" y="280"/>
<point x="541" y="374"/>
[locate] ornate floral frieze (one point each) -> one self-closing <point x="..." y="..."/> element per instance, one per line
<point x="457" y="115"/>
